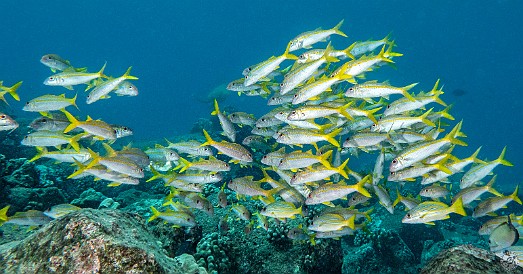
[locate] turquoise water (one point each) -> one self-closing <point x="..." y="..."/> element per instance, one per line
<point x="183" y="51"/>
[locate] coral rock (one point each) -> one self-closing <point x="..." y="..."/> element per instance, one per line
<point x="93" y="241"/>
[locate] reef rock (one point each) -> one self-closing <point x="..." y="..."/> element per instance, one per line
<point x="93" y="241"/>
<point x="469" y="259"/>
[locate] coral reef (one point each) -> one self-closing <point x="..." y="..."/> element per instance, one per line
<point x="213" y="252"/>
<point x="468" y="259"/>
<point x="89" y="241"/>
<point x="89" y="198"/>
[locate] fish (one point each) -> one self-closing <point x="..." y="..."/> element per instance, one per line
<point x="227" y="126"/>
<point x="373" y="89"/>
<point x="428" y="212"/>
<point x="503" y="236"/>
<point x="301" y="73"/>
<point x="161" y="154"/>
<point x="242" y="119"/>
<point x="404" y="105"/>
<point x="299" y="234"/>
<point x="360" y="48"/>
<point x="236" y="151"/>
<point x="7" y="123"/>
<point x="408" y="202"/>
<point x="69" y="78"/>
<point x="45" y="138"/>
<point x="331" y="222"/>
<point x="29" y="218"/>
<point x="212" y="164"/>
<point x="318" y="173"/>
<point x="298" y="159"/>
<point x="310" y="91"/>
<point x="274" y="158"/>
<point x="393" y="123"/>
<point x="11" y="91"/>
<point x="281" y="210"/>
<point x="421" y="151"/>
<point x="307" y="39"/>
<point x="101" y="90"/>
<point x="116" y="163"/>
<point x="222" y="196"/>
<point x="315" y="54"/>
<point x="177" y="218"/>
<point x="99" y="128"/>
<point x="470" y="194"/>
<point x="434" y="192"/>
<point x="63" y="155"/>
<point x="262" y="221"/>
<point x="241" y="211"/>
<point x="384" y="198"/>
<point x="3" y="213"/>
<point x="56" y="122"/>
<point x="247" y="186"/>
<point x="329" y="192"/>
<point x="196" y="200"/>
<point x="313" y="112"/>
<point x="122" y="131"/>
<point x="478" y="172"/>
<point x="60" y="210"/>
<point x="298" y="136"/>
<point x="193" y="148"/>
<point x="126" y="88"/>
<point x="490" y="205"/>
<point x="49" y="102"/>
<point x="261" y="70"/>
<point x="55" y="62"/>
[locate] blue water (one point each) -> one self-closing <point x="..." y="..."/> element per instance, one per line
<point x="181" y="52"/>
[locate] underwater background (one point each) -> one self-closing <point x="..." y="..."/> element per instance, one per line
<point x="185" y="53"/>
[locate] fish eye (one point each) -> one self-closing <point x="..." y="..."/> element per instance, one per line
<point x="394" y="161"/>
<point x="51" y="78"/>
<point x="246" y="76"/>
<point x="296" y="95"/>
<point x="392" y="173"/>
<point x="302" y="57"/>
<point x="293" y="112"/>
<point x="408" y="216"/>
<point x="141" y="169"/>
<point x="388" y="106"/>
<point x="2" y="116"/>
<point x="27" y="103"/>
<point x="351" y="89"/>
<point x="197" y="201"/>
<point x="188" y="219"/>
<point x="125" y="128"/>
<point x="281" y="85"/>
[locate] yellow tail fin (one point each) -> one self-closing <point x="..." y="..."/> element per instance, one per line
<point x="457" y="207"/>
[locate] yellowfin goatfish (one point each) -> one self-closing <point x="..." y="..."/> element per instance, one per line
<point x="233" y="150"/>
<point x="264" y="68"/>
<point x="478" y="172"/>
<point x="126" y="89"/>
<point x="299" y="136"/>
<point x="192" y="147"/>
<point x="470" y="194"/>
<point x="69" y="78"/>
<point x="304" y="72"/>
<point x="227" y="125"/>
<point x="307" y="39"/>
<point x="318" y="173"/>
<point x="30" y="218"/>
<point x="331" y="222"/>
<point x="96" y="127"/>
<point x="330" y="192"/>
<point x="490" y="205"/>
<point x="372" y="89"/>
<point x="55" y="62"/>
<point x="45" y="138"/>
<point x="10" y="90"/>
<point x="212" y="164"/>
<point x="177" y="218"/>
<point x="7" y="123"/>
<point x="49" y="102"/>
<point x="428" y="212"/>
<point x="63" y="155"/>
<point x="281" y="210"/>
<point x="60" y="210"/>
<point x="104" y="88"/>
<point x="421" y="151"/>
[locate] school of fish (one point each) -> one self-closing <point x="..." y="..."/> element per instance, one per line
<point x="326" y="112"/>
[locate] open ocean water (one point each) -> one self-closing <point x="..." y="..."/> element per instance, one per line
<point x="183" y="50"/>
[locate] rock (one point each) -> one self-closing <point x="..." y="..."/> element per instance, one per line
<point x="468" y="259"/>
<point x="89" y="198"/>
<point x="109" y="203"/>
<point x="91" y="241"/>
